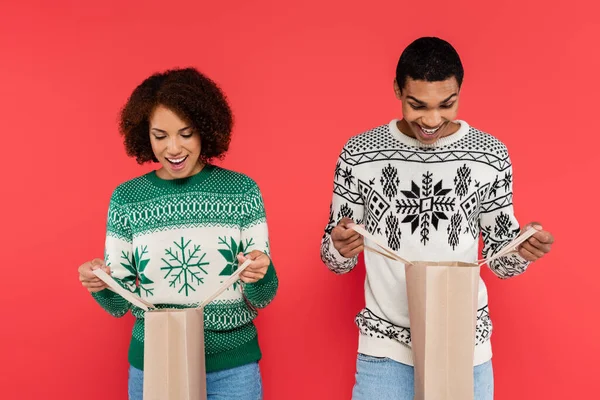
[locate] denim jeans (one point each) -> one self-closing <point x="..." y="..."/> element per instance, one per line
<point x="240" y="383"/>
<point x="383" y="378"/>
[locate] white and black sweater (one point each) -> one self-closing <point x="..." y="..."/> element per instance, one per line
<point x="429" y="203"/>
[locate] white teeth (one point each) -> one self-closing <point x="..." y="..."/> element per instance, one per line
<point x="176" y="160"/>
<point x="430" y="131"/>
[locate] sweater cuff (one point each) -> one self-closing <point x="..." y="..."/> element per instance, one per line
<point x="265" y="280"/>
<point x="262" y="292"/>
<point x="338" y="257"/>
<point x="104" y="294"/>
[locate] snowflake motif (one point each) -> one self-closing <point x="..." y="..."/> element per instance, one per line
<point x="389" y="180"/>
<point x="129" y="281"/>
<point x="425" y="205"/>
<point x="500" y="184"/>
<point x="185" y="266"/>
<point x="230" y="252"/>
<point x="345" y="211"/>
<point x="454" y="230"/>
<point x="135" y="264"/>
<point x="462" y="181"/>
<point x="502" y="227"/>
<point x="129" y="264"/>
<point x="391" y="333"/>
<point x="141" y="264"/>
<point x="392" y="232"/>
<point x="345" y="174"/>
<point x="495" y="242"/>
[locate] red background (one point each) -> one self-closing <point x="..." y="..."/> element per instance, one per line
<point x="302" y="77"/>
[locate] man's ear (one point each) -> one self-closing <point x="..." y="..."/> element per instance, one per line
<point x="397" y="90"/>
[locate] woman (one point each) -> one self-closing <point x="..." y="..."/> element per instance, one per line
<point x="175" y="234"/>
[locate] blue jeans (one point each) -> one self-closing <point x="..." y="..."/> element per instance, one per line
<point x="240" y="383"/>
<point x="383" y="378"/>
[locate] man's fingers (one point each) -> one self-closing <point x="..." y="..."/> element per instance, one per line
<point x="536" y="252"/>
<point x="542" y="246"/>
<point x="526" y="254"/>
<point x="350" y="252"/>
<point x="352" y="244"/>
<point x="544" y="237"/>
<point x="342" y="230"/>
<point x="342" y="234"/>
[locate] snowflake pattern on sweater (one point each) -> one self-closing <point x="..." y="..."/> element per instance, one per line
<point x="174" y="242"/>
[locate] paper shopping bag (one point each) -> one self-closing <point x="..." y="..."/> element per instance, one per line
<point x="174" y="365"/>
<point x="174" y="361"/>
<point x="442" y="306"/>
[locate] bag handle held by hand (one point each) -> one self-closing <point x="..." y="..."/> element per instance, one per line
<point x="510" y="247"/>
<point x="391" y="254"/>
<point x="146" y="306"/>
<point x="387" y="252"/>
<point x="232" y="279"/>
<point x="126" y="294"/>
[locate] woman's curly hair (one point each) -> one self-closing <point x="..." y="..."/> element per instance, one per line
<point x="193" y="97"/>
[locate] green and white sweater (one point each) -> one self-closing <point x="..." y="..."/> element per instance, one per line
<point x="174" y="242"/>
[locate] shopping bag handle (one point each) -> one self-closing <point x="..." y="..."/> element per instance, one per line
<point x="392" y="255"/>
<point x="126" y="294"/>
<point x="510" y="247"/>
<point x="232" y="279"/>
<point x="146" y="306"/>
<point x="385" y="251"/>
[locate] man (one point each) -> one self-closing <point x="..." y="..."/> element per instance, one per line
<point x="428" y="185"/>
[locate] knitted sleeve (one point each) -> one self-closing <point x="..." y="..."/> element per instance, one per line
<point x="255" y="236"/>
<point x="347" y="202"/>
<point x="499" y="225"/>
<point x="119" y="256"/>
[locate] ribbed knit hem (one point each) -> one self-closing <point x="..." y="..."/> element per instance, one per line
<point x="245" y="354"/>
<point x="403" y="354"/>
<point x="136" y="354"/>
<point x="242" y="355"/>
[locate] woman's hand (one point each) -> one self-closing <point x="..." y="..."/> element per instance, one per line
<point x="87" y="278"/>
<point x="257" y="268"/>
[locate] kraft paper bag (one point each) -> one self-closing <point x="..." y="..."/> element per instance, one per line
<point x="442" y="305"/>
<point x="174" y="362"/>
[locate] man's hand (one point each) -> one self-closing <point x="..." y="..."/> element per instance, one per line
<point x="347" y="241"/>
<point x="537" y="245"/>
